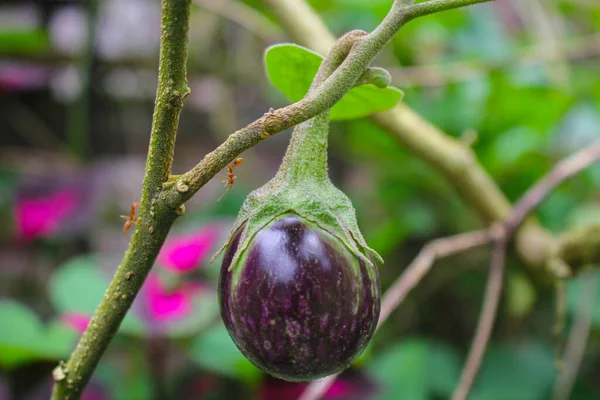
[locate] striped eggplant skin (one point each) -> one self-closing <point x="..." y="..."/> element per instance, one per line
<point x="298" y="305"/>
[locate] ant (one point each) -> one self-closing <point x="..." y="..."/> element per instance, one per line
<point x="131" y="219"/>
<point x="230" y="175"/>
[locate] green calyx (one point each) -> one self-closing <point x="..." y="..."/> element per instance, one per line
<point x="302" y="186"/>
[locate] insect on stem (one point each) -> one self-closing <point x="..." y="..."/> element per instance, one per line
<point x="230" y="175"/>
<point x="131" y="218"/>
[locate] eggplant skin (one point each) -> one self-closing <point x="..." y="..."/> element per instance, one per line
<point x="300" y="306"/>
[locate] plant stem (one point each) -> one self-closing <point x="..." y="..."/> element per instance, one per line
<point x="78" y="109"/>
<point x="487" y="318"/>
<point x="578" y="338"/>
<point x="155" y="219"/>
<point x="306" y="157"/>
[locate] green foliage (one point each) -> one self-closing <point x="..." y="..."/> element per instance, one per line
<point x="79" y="285"/>
<point x="23" y="41"/>
<point x="215" y="351"/>
<point x="471" y="70"/>
<point x="575" y="294"/>
<point x="292" y="68"/>
<point x="518" y="372"/>
<point x="415" y="369"/>
<point x="420" y="369"/>
<point x="24" y="337"/>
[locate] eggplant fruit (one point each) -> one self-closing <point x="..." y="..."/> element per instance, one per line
<point x="298" y="303"/>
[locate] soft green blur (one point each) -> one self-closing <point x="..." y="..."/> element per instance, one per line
<point x="516" y="80"/>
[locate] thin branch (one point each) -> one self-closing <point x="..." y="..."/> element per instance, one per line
<point x="578" y="338"/>
<point x="414" y="273"/>
<point x="78" y="109"/>
<point x="562" y="171"/>
<point x="155" y="221"/>
<point x="532" y="198"/>
<point x="487" y="317"/>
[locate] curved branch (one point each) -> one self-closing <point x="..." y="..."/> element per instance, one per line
<point x="563" y="170"/>
<point x="531" y="199"/>
<point x="487" y="318"/>
<point x="578" y="339"/>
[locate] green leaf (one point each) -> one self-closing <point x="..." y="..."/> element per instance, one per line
<point x="23" y="41"/>
<point x="24" y="338"/>
<point x="377" y="76"/>
<point x="60" y="340"/>
<point x="292" y="68"/>
<point x="415" y="369"/>
<point x="79" y="286"/>
<point x="215" y="351"/>
<point x="20" y="334"/>
<point x="517" y="372"/>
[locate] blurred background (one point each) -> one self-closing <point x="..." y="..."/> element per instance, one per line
<point x="518" y="80"/>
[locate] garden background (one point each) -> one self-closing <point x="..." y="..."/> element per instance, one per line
<point x="517" y="81"/>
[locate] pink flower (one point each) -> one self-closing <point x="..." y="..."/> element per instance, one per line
<point x="15" y="78"/>
<point x="351" y="385"/>
<point x="77" y="321"/>
<point x="164" y="305"/>
<point x="184" y="253"/>
<point x="41" y="216"/>
<point x="94" y="391"/>
<point x="160" y="305"/>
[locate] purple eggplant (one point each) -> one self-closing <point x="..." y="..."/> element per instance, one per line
<point x="297" y="302"/>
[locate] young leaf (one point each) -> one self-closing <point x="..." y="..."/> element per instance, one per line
<point x="292" y="68"/>
<point x="78" y="286"/>
<point x="24" y="338"/>
<point x="376" y="76"/>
